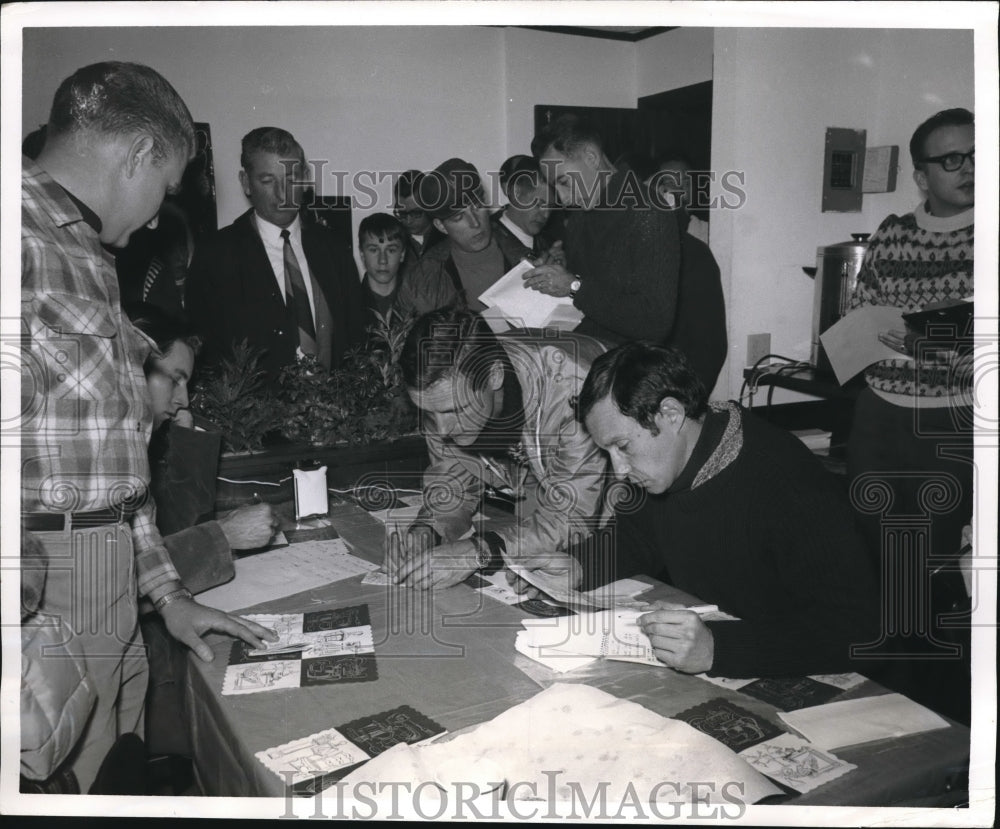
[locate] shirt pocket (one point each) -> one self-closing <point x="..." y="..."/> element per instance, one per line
<point x="76" y="342"/>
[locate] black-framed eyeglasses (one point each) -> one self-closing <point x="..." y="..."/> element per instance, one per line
<point x="951" y="161"/>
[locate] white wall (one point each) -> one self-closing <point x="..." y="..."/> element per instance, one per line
<point x="365" y="99"/>
<point x="775" y="93"/>
<point x="677" y="58"/>
<point x="546" y="68"/>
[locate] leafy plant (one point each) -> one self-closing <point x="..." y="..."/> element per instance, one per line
<point x="234" y="397"/>
<point x="359" y="401"/>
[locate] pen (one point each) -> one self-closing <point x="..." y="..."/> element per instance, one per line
<point x="966" y="549"/>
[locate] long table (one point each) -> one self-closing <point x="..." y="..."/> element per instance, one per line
<point x="450" y="655"/>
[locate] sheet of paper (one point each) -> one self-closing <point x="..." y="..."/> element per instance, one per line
<point x="523" y="307"/>
<point x="559" y="662"/>
<point x="612" y="634"/>
<point x="853" y="721"/>
<point x="795" y="762"/>
<point x="843" y="681"/>
<point x="597" y="741"/>
<point x="852" y="343"/>
<point x="282" y="572"/>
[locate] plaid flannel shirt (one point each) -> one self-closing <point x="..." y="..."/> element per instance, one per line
<point x="86" y="419"/>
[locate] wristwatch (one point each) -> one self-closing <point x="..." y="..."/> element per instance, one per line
<point x="489" y="552"/>
<point x="574" y="286"/>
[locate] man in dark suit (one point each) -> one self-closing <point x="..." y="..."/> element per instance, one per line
<point x="286" y="286"/>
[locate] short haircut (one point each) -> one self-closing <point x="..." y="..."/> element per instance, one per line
<point x="637" y="376"/>
<point x="164" y="328"/>
<point x="406" y="185"/>
<point x="447" y="341"/>
<point x="566" y="135"/>
<point x="957" y="117"/>
<point x="519" y="171"/>
<point x="116" y="98"/>
<point x="270" y="140"/>
<point x="381" y="226"/>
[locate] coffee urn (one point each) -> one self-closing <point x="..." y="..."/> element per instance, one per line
<point x="837" y="269"/>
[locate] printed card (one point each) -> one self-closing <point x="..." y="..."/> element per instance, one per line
<point x="317" y="648"/>
<point x="731" y="725"/>
<point x="791" y="693"/>
<point x="795" y="762"/>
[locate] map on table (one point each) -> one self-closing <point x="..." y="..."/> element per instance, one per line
<point x="312" y="763"/>
<point x="322" y="647"/>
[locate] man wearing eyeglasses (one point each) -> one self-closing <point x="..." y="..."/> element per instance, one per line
<point x="912" y="431"/>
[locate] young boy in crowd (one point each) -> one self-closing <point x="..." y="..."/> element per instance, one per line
<point x="382" y="242"/>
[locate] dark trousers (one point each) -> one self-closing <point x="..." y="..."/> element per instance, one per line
<point x="911" y="475"/>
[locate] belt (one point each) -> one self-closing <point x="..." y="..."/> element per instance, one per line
<point x="59" y="521"/>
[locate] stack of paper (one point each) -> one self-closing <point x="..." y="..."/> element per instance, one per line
<point x="854" y="721"/>
<point x="567" y="642"/>
<point x="526" y="308"/>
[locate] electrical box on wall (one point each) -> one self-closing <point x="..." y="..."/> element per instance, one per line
<point x="843" y="167"/>
<point x="881" y="165"/>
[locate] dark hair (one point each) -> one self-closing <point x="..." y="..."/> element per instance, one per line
<point x="637" y="376"/>
<point x="450" y="187"/>
<point x="957" y="117"/>
<point x="270" y="140"/>
<point x="381" y="227"/>
<point x="116" y="98"/>
<point x="447" y="341"/>
<point x="33" y="143"/>
<point x="406" y="185"/>
<point x="163" y="328"/>
<point x="519" y="170"/>
<point x="566" y="135"/>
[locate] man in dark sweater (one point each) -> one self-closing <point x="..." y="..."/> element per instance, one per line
<point x="735" y="512"/>
<point x="622" y="245"/>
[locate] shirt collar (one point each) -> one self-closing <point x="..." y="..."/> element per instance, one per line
<point x="523" y="238"/>
<point x="88" y="215"/>
<point x="271" y="233"/>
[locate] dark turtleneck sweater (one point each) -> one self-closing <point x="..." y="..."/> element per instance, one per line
<point x="755" y="524"/>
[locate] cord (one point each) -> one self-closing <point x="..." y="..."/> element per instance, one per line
<point x="749" y="386"/>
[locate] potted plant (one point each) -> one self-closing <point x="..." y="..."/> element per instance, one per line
<point x="354" y="414"/>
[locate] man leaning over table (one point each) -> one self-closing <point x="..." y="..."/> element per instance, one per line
<point x="498" y="412"/>
<point x="737" y="513"/>
<point x="119" y="137"/>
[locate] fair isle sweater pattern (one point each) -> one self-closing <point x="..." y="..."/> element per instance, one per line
<point x="912" y="261"/>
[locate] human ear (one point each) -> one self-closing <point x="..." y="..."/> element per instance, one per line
<point x="245" y="183"/>
<point x="140" y="152"/>
<point x="671" y="411"/>
<point x="440" y="226"/>
<point x="920" y="177"/>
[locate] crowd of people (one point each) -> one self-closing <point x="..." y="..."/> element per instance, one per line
<point x="605" y="432"/>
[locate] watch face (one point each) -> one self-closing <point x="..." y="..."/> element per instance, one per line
<point x="574" y="285"/>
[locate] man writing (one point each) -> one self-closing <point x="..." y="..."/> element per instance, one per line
<point x="118" y="139"/>
<point x="737" y="513"/>
<point x="497" y="413"/>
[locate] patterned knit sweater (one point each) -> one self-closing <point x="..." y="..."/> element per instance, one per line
<point x="912" y="261"/>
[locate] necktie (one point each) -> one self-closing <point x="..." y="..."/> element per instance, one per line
<point x="297" y="298"/>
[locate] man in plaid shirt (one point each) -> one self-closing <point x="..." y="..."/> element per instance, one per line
<point x="118" y="140"/>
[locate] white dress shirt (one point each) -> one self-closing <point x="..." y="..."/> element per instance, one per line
<point x="524" y="238"/>
<point x="270" y="235"/>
